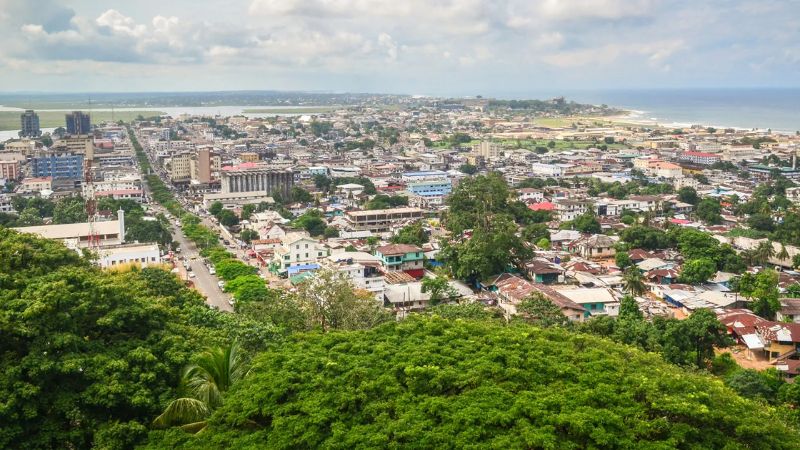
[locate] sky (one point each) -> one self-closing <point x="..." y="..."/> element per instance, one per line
<point x="435" y="47"/>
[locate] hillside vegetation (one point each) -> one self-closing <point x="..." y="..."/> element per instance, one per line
<point x="437" y="383"/>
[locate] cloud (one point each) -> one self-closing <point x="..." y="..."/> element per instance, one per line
<point x="427" y="42"/>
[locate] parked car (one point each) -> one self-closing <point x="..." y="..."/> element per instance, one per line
<point x="191" y="274"/>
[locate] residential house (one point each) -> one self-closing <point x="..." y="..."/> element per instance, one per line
<point x="401" y="257"/>
<point x="597" y="246"/>
<point x="297" y="249"/>
<point x="543" y="271"/>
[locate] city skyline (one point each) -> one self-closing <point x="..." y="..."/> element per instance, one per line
<point x="444" y="48"/>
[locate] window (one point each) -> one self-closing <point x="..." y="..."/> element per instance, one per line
<point x="306" y="245"/>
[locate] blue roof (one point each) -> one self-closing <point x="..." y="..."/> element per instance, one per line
<point x="302" y="268"/>
<point x="422" y="174"/>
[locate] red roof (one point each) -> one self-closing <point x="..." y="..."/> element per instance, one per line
<point x="701" y="154"/>
<point x="680" y="221"/>
<point x="542" y="206"/>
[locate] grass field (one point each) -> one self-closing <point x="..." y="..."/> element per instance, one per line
<point x="9" y="120"/>
<point x="298" y="110"/>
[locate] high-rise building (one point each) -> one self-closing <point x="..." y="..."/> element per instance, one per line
<point x="29" y="124"/>
<point x="78" y="122"/>
<point x="59" y="165"/>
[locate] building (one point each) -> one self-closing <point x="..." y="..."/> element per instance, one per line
<point x="736" y="153"/>
<point x="402" y="258"/>
<point x="382" y="220"/>
<point x="77" y="235"/>
<point x="762" y="172"/>
<point x="29" y="124"/>
<point x="201" y="165"/>
<point x="78" y="122"/>
<point x="362" y="269"/>
<point x="699" y="158"/>
<point x="249" y="157"/>
<point x="236" y="199"/>
<point x="9" y="170"/>
<point x="5" y="204"/>
<point x="81" y="144"/>
<point x="58" y="165"/>
<point x="570" y="209"/>
<point x="36" y="184"/>
<point x="141" y="254"/>
<point x="257" y="178"/>
<point x="179" y="167"/>
<point x="486" y="149"/>
<point x="297" y="249"/>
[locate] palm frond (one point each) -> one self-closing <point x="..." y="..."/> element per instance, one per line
<point x="182" y="411"/>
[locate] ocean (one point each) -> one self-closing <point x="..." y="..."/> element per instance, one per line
<point x="775" y="108"/>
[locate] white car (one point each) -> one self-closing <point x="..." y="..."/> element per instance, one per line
<point x="212" y="271"/>
<point x="221" y="284"/>
<point x="191" y="274"/>
<point x="231" y="301"/>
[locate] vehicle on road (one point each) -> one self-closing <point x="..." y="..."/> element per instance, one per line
<point x="221" y="284"/>
<point x="212" y="270"/>
<point x="231" y="301"/>
<point x="191" y="274"/>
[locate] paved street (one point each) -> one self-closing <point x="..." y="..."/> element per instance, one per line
<point x="204" y="282"/>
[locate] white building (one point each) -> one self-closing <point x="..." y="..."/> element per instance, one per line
<point x="298" y="249"/>
<point x="144" y="254"/>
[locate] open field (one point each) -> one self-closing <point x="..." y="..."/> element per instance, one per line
<point x="9" y="120"/>
<point x="298" y="110"/>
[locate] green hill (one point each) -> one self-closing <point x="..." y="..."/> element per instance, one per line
<point x="434" y="383"/>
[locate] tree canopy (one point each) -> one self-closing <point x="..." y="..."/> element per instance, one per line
<point x="432" y="383"/>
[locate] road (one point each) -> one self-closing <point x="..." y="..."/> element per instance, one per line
<point x="204" y="282"/>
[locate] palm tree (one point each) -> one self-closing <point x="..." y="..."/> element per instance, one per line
<point x="204" y="385"/>
<point x="764" y="252"/>
<point x="634" y="282"/>
<point x="783" y="255"/>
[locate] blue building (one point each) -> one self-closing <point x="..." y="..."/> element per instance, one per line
<point x="430" y="188"/>
<point x="58" y="165"/>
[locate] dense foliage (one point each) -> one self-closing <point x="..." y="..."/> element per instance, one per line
<point x="91" y="357"/>
<point x="434" y="383"/>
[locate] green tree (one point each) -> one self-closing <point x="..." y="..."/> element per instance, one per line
<point x="331" y="302"/>
<point x="228" y="218"/>
<point x="69" y="210"/>
<point x="535" y="232"/>
<point x="301" y="195"/>
<point x="476" y="373"/>
<point x="468" y="169"/>
<point x="312" y="222"/>
<point x="708" y="210"/>
<point x="331" y="232"/>
<point x="439" y="289"/>
<point x="629" y="309"/>
<point x="539" y="310"/>
<point x="230" y="269"/>
<point x="413" y="234"/>
<point x="249" y="235"/>
<point x="215" y="208"/>
<point x="622" y="260"/>
<point x="634" y="282"/>
<point x="204" y="385"/>
<point x="762" y="291"/>
<point x="29" y="217"/>
<point x="696" y="271"/>
<point x="688" y="195"/>
<point x="247" y="211"/>
<point x="587" y="223"/>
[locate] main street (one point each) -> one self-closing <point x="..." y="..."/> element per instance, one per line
<point x="205" y="283"/>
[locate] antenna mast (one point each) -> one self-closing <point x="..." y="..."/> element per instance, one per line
<point x="91" y="204"/>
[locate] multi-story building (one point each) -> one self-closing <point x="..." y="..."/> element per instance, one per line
<point x="570" y="209"/>
<point x="201" y="165"/>
<point x="737" y="153"/>
<point x="249" y="157"/>
<point x="179" y="167"/>
<point x="78" y="122"/>
<point x="36" y="184"/>
<point x="699" y="158"/>
<point x="297" y="249"/>
<point x="486" y="149"/>
<point x="77" y="144"/>
<point x="252" y="177"/>
<point x="29" y="124"/>
<point x="58" y="165"/>
<point x="9" y="170"/>
<point x="140" y="254"/>
<point x="401" y="258"/>
<point x="5" y="204"/>
<point x="382" y="220"/>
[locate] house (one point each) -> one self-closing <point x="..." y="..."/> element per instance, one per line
<point x="361" y="268"/>
<point x="512" y="290"/>
<point x="401" y="257"/>
<point x="530" y="195"/>
<point x="662" y="276"/>
<point x="653" y="264"/>
<point x="790" y="310"/>
<point x="297" y="249"/>
<point x="596" y="301"/>
<point x="597" y="246"/>
<point x="638" y="255"/>
<point x="780" y="339"/>
<point x="543" y="271"/>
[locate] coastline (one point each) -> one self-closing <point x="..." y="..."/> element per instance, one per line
<point x="637" y="117"/>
